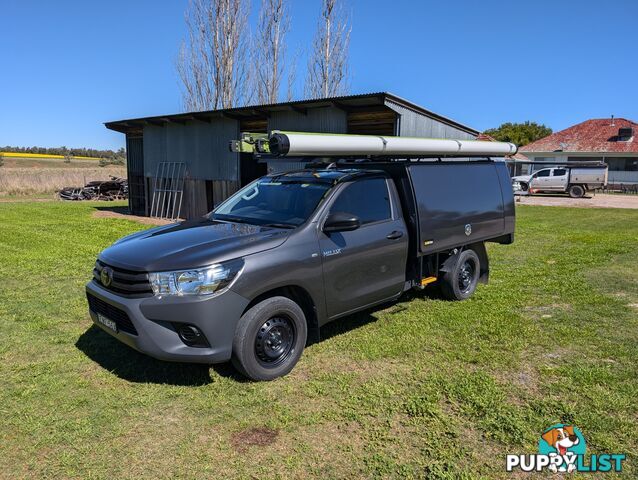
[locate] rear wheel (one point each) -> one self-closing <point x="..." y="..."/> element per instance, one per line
<point x="269" y="339"/>
<point x="576" y="191"/>
<point x="461" y="280"/>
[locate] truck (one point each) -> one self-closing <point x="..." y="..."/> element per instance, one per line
<point x="256" y="280"/>
<point x="574" y="179"/>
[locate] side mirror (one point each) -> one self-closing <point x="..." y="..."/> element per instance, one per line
<point x="341" y="222"/>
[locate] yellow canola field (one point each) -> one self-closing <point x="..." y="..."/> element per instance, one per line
<point x="40" y="155"/>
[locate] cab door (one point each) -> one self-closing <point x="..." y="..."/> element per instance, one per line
<point x="541" y="180"/>
<point x="366" y="265"/>
<point x="559" y="179"/>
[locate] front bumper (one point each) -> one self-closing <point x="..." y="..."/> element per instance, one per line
<point x="153" y="318"/>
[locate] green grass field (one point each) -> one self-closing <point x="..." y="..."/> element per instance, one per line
<point x="421" y="389"/>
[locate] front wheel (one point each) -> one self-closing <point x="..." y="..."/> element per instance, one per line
<point x="461" y="280"/>
<point x="270" y="338"/>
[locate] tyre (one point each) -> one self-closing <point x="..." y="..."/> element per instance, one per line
<point x="576" y="191"/>
<point x="269" y="339"/>
<point x="461" y="280"/>
<point x="524" y="187"/>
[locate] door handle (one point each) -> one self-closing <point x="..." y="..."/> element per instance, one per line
<point x="394" y="235"/>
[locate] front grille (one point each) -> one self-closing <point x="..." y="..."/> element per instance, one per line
<point x="112" y="313"/>
<point x="125" y="282"/>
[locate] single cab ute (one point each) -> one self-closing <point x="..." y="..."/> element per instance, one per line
<point x="255" y="280"/>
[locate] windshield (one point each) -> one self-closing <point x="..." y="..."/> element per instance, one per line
<point x="273" y="202"/>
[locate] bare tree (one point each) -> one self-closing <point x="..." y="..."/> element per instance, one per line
<point x="328" y="64"/>
<point x="270" y="50"/>
<point x="213" y="61"/>
<point x="292" y="75"/>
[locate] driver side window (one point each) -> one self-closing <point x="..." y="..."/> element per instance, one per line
<point x="369" y="200"/>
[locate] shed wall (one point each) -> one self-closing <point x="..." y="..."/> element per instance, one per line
<point x="135" y="173"/>
<point x="202" y="146"/>
<point x="322" y="120"/>
<point x="414" y="124"/>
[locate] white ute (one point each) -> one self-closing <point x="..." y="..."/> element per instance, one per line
<point x="575" y="180"/>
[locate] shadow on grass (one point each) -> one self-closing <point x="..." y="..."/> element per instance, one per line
<point x="130" y="365"/>
<point x="359" y="319"/>
<point x="133" y="366"/>
<point x="121" y="209"/>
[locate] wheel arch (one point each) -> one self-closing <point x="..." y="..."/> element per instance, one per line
<point x="301" y="297"/>
<point x="481" y="252"/>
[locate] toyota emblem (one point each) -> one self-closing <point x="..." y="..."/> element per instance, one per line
<point x="106" y="276"/>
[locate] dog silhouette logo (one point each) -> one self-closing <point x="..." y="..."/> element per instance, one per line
<point x="562" y="448"/>
<point x="564" y="440"/>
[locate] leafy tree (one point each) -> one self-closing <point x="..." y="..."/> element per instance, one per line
<point x="519" y="133"/>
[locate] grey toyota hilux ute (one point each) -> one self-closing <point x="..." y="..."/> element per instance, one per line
<point x="256" y="279"/>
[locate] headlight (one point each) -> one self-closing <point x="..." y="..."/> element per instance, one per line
<point x="200" y="281"/>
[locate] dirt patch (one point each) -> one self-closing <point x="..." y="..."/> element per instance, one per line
<point x="601" y="200"/>
<point x="255" y="436"/>
<point x="134" y="218"/>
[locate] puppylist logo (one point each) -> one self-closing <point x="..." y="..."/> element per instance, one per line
<point x="562" y="448"/>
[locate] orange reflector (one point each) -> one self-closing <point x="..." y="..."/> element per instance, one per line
<point x="427" y="280"/>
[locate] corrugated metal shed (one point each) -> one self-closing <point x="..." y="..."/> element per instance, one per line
<point x="321" y="120"/>
<point x="413" y="123"/>
<point x="200" y="140"/>
<point x="202" y="146"/>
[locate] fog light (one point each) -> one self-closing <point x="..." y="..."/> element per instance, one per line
<point x="191" y="335"/>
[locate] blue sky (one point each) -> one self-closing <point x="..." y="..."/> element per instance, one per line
<point x="70" y="65"/>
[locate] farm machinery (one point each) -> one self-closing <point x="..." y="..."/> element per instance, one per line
<point x="114" y="189"/>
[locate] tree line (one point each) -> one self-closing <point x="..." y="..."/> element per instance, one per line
<point x="69" y="152"/>
<point x="519" y="133"/>
<point x="223" y="64"/>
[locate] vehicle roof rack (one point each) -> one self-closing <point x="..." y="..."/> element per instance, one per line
<point x="345" y="162"/>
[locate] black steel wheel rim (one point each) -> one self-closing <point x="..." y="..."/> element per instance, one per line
<point x="466" y="275"/>
<point x="275" y="341"/>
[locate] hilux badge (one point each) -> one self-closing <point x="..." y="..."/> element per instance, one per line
<point x="106" y="276"/>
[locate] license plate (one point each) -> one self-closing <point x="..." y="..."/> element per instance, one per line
<point x="107" y="322"/>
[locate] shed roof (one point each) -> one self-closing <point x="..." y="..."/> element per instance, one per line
<point x="595" y="135"/>
<point x="347" y="103"/>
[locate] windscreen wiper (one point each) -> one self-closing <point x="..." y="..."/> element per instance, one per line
<point x="231" y="219"/>
<point x="279" y="225"/>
